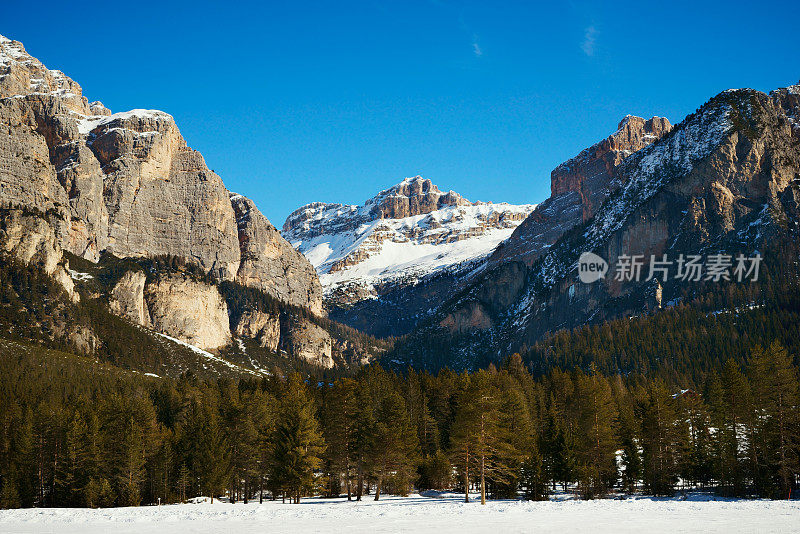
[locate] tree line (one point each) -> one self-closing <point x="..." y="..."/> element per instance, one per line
<point x="77" y="433"/>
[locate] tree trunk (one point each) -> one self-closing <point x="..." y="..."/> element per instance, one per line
<point x="261" y="489"/>
<point x="483" y="479"/>
<point x="466" y="479"/>
<point x="349" y="489"/>
<point x="360" y="485"/>
<point x="378" y="488"/>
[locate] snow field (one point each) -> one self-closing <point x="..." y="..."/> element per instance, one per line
<point x="445" y="514"/>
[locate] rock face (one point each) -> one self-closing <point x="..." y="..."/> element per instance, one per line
<point x="578" y="187"/>
<point x="309" y="342"/>
<point x="401" y="235"/>
<point x="726" y="179"/>
<point x="415" y="196"/>
<point x="269" y="263"/>
<point x="262" y="326"/>
<point x="588" y="172"/>
<point x="127" y="183"/>
<point x="160" y="196"/>
<point x="127" y="298"/>
<point x="194" y="312"/>
<point x="188" y="310"/>
<point x="30" y="239"/>
<point x="175" y="305"/>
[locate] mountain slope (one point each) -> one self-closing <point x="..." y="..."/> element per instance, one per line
<point x="126" y="200"/>
<point x="128" y="184"/>
<point x="724" y="180"/>
<point x="372" y="256"/>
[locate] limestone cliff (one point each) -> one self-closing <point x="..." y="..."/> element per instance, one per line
<point x="29" y="239"/>
<point x="261" y="326"/>
<point x="309" y="342"/>
<point x="128" y="184"/>
<point x="127" y="298"/>
<point x="724" y="180"/>
<point x="269" y="263"/>
<point x="191" y="311"/>
<point x="578" y="188"/>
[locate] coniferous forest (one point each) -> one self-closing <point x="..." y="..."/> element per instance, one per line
<point x="78" y="432"/>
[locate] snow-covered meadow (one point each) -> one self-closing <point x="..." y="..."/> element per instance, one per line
<point x="416" y="513"/>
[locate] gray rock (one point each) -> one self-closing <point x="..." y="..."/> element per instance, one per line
<point x="127" y="298"/>
<point x="269" y="263"/>
<point x="310" y="342"/>
<point x="30" y="240"/>
<point x="188" y="310"/>
<point x="261" y="326"/>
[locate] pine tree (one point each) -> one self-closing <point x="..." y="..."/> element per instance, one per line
<point x="298" y="443"/>
<point x="71" y="476"/>
<point x="393" y="448"/>
<point x="659" y="441"/>
<point x="596" y="427"/>
<point x="340" y="429"/>
<point x="476" y="436"/>
<point x="532" y="477"/>
<point x="776" y="394"/>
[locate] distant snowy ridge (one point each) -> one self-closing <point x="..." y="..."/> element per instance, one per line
<point x="399" y="236"/>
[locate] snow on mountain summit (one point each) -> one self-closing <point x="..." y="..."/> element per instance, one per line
<point x="398" y="236"/>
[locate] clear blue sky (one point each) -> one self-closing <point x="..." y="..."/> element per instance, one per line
<point x="294" y="102"/>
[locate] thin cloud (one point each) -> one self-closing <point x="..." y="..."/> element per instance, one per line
<point x="476" y="48"/>
<point x="589" y="39"/>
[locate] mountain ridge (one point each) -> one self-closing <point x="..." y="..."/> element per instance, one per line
<point x="80" y="183"/>
<point x="402" y="234"/>
<point x="725" y="179"/>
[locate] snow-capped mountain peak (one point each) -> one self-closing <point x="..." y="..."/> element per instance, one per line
<point x="399" y="236"/>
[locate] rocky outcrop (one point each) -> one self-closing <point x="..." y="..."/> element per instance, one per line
<point x="194" y="312"/>
<point x="397" y="238"/>
<point x="309" y="342"/>
<point x="127" y="183"/>
<point x="412" y="196"/>
<point x="160" y="195"/>
<point x="30" y="239"/>
<point x="188" y="310"/>
<point x="127" y="298"/>
<point x="269" y="263"/>
<point x="726" y="179"/>
<point x="588" y="173"/>
<point x="261" y="326"/>
<point x="578" y="188"/>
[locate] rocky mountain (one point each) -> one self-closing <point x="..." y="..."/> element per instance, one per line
<point x="724" y="181"/>
<point x="77" y="179"/>
<point x="369" y="256"/>
<point x="577" y="189"/>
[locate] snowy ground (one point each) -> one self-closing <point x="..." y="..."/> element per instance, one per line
<point x="445" y="514"/>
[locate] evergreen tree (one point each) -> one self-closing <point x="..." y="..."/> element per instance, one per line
<point x="71" y="476"/>
<point x="298" y="443"/>
<point x="476" y="436"/>
<point x="659" y="441"/>
<point x="776" y="394"/>
<point x="596" y="427"/>
<point x="393" y="448"/>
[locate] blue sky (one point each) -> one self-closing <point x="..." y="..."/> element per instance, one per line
<point x="294" y="102"/>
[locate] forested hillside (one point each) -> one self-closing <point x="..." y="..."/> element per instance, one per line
<point x="34" y="308"/>
<point x="76" y="432"/>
